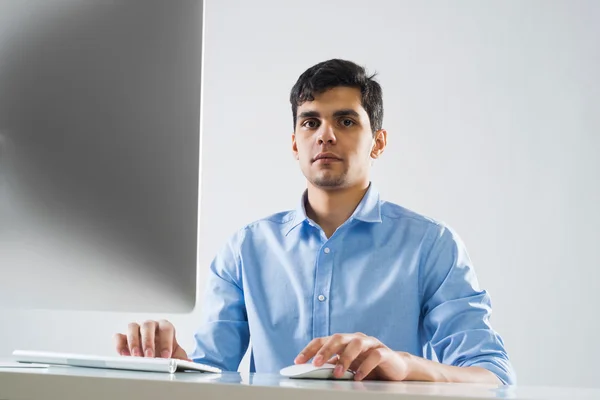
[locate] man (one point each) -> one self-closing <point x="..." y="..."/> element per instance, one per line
<point x="345" y="277"/>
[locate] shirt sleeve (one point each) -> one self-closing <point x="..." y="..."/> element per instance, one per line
<point x="456" y="311"/>
<point x="223" y="334"/>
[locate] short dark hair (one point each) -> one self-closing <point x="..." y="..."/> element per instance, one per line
<point x="335" y="72"/>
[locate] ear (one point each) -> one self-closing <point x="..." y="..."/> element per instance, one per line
<point x="294" y="146"/>
<point x="380" y="141"/>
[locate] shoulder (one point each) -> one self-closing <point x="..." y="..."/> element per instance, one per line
<point x="275" y="222"/>
<point x="253" y="234"/>
<point x="396" y="211"/>
<point x="396" y="214"/>
<point x="432" y="229"/>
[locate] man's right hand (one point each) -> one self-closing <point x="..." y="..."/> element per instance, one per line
<point x="151" y="339"/>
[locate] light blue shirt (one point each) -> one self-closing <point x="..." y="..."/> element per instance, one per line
<point x="387" y="272"/>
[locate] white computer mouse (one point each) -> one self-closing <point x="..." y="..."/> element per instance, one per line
<point x="311" y="371"/>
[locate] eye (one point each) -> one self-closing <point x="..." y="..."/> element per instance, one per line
<point x="310" y="124"/>
<point x="347" y="122"/>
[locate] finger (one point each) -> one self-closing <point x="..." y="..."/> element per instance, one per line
<point x="133" y="339"/>
<point x="373" y="343"/>
<point x="148" y="333"/>
<point x="353" y="349"/>
<point x="357" y="361"/>
<point x="372" y="360"/>
<point x="334" y="359"/>
<point x="179" y="352"/>
<point x="335" y="345"/>
<point x="310" y="350"/>
<point x="166" y="338"/>
<point x="121" y="344"/>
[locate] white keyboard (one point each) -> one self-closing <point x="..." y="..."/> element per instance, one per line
<point x="169" y="365"/>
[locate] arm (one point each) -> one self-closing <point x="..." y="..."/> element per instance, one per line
<point x="425" y="370"/>
<point x="455" y="322"/>
<point x="456" y="318"/>
<point x="223" y="335"/>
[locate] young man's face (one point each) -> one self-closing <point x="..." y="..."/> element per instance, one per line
<point x="333" y="140"/>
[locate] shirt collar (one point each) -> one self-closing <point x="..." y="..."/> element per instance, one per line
<point x="368" y="210"/>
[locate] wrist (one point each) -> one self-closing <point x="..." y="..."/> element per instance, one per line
<point x="420" y="369"/>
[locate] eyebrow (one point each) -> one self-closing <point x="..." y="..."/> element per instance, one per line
<point x="345" y="113"/>
<point x="340" y="113"/>
<point x="309" y="114"/>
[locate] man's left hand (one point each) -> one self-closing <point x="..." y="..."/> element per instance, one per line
<point x="367" y="356"/>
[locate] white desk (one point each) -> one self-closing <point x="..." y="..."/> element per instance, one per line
<point x="66" y="383"/>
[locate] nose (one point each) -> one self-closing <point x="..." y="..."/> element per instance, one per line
<point x="326" y="134"/>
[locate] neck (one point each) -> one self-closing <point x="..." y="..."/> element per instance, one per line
<point x="330" y="208"/>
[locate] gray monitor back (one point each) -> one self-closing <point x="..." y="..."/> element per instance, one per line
<point x="99" y="154"/>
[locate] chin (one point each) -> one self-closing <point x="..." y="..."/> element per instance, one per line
<point x="329" y="182"/>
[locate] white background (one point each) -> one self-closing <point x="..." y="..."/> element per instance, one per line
<point x="493" y="117"/>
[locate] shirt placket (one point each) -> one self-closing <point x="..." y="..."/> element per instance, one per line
<point x="321" y="301"/>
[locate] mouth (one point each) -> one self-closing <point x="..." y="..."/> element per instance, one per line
<point x="326" y="158"/>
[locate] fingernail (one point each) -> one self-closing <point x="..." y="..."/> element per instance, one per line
<point x="299" y="358"/>
<point x="359" y="376"/>
<point x="165" y="354"/>
<point x="338" y="370"/>
<point x="318" y="359"/>
<point x="149" y="353"/>
<point x="137" y="352"/>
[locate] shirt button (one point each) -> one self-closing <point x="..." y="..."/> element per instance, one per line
<point x="326" y="250"/>
<point x="321" y="297"/>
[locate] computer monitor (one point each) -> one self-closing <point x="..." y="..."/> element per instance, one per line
<point x="100" y="154"/>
